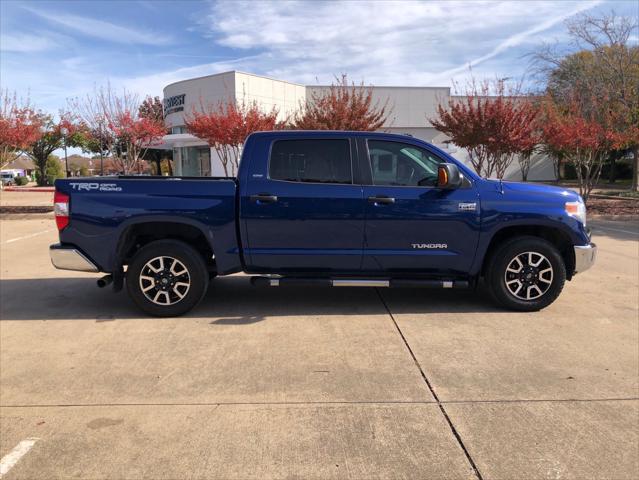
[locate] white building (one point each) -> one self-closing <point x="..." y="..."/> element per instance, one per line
<point x="410" y="108"/>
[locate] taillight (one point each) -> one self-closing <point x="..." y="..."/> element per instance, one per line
<point x="61" y="209"/>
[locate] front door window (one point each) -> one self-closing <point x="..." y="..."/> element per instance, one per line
<point x="401" y="164"/>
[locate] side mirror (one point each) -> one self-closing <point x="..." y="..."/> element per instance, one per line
<point x="448" y="176"/>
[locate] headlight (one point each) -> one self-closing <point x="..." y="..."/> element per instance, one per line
<point x="577" y="210"/>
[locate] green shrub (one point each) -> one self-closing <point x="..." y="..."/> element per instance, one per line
<point x="53" y="171"/>
<point x="21" y="181"/>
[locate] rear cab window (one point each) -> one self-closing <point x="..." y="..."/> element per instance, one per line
<point x="311" y="161"/>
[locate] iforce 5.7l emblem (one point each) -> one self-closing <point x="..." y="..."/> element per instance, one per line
<point x="467" y="207"/>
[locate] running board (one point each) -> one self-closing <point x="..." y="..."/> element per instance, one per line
<point x="260" y="281"/>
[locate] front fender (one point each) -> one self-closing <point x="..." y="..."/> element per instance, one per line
<point x="497" y="217"/>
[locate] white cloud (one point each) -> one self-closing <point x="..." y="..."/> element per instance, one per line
<point x="25" y="43"/>
<point x="154" y="84"/>
<point x="405" y="43"/>
<point x="103" y="30"/>
<point x="384" y="43"/>
<point x="518" y="39"/>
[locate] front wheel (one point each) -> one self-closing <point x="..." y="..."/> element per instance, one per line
<point x="526" y="273"/>
<point x="167" y="278"/>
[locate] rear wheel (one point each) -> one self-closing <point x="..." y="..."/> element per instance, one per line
<point x="167" y="278"/>
<point x="526" y="273"/>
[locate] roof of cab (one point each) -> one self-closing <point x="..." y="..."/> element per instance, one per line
<point x="328" y="133"/>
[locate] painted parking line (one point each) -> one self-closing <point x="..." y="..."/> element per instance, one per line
<point x="28" y="236"/>
<point x="20" y="450"/>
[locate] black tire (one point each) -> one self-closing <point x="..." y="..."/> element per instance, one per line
<point x="529" y="281"/>
<point x="196" y="277"/>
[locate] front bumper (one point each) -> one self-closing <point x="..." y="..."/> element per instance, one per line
<point x="585" y="256"/>
<point x="69" y="258"/>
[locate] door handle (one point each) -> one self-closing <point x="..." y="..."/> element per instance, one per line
<point x="381" y="200"/>
<point x="264" y="198"/>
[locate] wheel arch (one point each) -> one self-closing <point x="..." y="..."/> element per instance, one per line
<point x="554" y="235"/>
<point x="136" y="235"/>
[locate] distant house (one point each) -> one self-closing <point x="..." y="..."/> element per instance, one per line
<point x="22" y="164"/>
<point x="80" y="165"/>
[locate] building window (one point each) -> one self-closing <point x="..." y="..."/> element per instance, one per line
<point x="178" y="129"/>
<point x="196" y="161"/>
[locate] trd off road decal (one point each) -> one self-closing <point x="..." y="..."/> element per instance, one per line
<point x="92" y="186"/>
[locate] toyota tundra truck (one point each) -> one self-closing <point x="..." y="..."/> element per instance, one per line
<point x="324" y="208"/>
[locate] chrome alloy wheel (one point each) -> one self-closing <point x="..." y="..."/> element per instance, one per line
<point x="164" y="280"/>
<point x="528" y="276"/>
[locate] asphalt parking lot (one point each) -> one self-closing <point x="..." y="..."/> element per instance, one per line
<point x="317" y="383"/>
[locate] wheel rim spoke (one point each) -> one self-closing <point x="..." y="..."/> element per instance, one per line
<point x="152" y="268"/>
<point x="520" y="266"/>
<point x="533" y="287"/>
<point x="517" y="284"/>
<point x="175" y="272"/>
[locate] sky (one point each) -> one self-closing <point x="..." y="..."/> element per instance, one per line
<point x="53" y="50"/>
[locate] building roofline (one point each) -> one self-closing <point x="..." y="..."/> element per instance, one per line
<point x="228" y="72"/>
<point x="269" y="78"/>
<point x="332" y="133"/>
<point x="197" y="78"/>
<point x="387" y="86"/>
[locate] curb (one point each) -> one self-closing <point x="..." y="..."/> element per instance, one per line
<point x="613" y="197"/>
<point x="629" y="217"/>
<point x="28" y="189"/>
<point x="26" y="216"/>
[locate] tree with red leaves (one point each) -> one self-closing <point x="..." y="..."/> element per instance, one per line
<point x="52" y="135"/>
<point x="116" y="125"/>
<point x="19" y="126"/>
<point x="583" y="139"/>
<point x="226" y="126"/>
<point x="493" y="125"/>
<point x="342" y="106"/>
<point x="529" y="143"/>
<point x="134" y="135"/>
<point x="606" y="65"/>
<point x="152" y="108"/>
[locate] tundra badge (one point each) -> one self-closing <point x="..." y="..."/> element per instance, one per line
<point x="429" y="246"/>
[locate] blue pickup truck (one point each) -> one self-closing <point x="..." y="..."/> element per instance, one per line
<point x="324" y="208"/>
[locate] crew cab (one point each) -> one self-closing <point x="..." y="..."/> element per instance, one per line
<point x="341" y="209"/>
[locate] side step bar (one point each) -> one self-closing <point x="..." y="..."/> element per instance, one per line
<point x="260" y="281"/>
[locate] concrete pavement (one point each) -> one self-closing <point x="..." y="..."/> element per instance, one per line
<point x="318" y="383"/>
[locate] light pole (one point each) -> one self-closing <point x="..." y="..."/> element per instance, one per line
<point x="101" y="146"/>
<point x="65" y="131"/>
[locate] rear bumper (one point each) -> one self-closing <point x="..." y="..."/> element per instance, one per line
<point x="585" y="256"/>
<point x="69" y="258"/>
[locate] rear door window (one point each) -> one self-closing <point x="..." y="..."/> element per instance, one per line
<point x="311" y="161"/>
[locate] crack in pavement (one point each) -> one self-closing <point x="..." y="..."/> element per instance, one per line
<point x="432" y="390"/>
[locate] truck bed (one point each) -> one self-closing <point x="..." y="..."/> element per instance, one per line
<point x="102" y="208"/>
